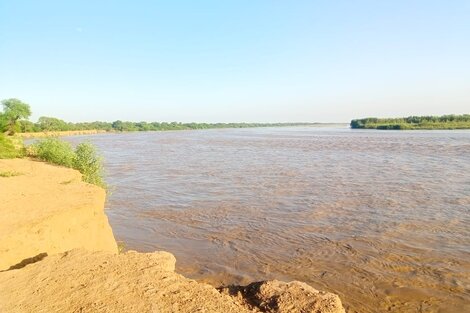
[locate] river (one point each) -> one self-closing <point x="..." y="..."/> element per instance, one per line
<point x="381" y="218"/>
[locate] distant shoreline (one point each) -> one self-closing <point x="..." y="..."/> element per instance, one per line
<point x="44" y="134"/>
<point x="444" y="122"/>
<point x="60" y="133"/>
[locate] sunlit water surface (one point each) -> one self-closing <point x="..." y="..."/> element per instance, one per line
<point x="381" y="218"/>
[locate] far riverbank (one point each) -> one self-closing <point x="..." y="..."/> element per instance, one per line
<point x="60" y="133"/>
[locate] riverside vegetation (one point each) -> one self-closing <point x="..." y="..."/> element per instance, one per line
<point x="16" y="114"/>
<point x="83" y="158"/>
<point x="52" y="124"/>
<point x="414" y="122"/>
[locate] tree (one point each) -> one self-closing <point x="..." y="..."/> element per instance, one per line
<point x="52" y="124"/>
<point x="27" y="127"/>
<point x="118" y="125"/>
<point x="13" y="111"/>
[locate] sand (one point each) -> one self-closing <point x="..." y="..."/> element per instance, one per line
<point x="47" y="209"/>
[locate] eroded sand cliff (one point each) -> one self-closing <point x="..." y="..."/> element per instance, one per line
<point x="58" y="254"/>
<point x="47" y="209"/>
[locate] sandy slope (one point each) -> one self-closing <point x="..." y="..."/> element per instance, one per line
<point x="48" y="209"/>
<point x="58" y="254"/>
<point x="100" y="282"/>
<point x="83" y="281"/>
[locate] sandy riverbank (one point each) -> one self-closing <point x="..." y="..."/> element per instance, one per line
<point x="58" y="254"/>
<point x="60" y="133"/>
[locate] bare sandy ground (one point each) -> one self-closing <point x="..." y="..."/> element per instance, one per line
<point x="47" y="209"/>
<point x="58" y="254"/>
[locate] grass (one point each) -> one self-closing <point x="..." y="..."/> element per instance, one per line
<point x="10" y="174"/>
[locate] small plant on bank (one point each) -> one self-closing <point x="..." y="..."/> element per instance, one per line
<point x="122" y="248"/>
<point x="87" y="161"/>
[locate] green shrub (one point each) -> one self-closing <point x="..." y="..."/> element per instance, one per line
<point x="54" y="151"/>
<point x="88" y="162"/>
<point x="8" y="149"/>
<point x="84" y="158"/>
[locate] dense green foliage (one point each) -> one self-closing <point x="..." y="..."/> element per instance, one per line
<point x="84" y="158"/>
<point x="88" y="162"/>
<point x="54" y="151"/>
<point x="16" y="113"/>
<point x="13" y="111"/>
<point x="55" y="124"/>
<point x="8" y="149"/>
<point x="415" y="122"/>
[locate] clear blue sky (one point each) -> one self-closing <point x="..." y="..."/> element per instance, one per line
<point x="236" y="60"/>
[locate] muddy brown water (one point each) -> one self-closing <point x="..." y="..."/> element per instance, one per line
<point x="381" y="218"/>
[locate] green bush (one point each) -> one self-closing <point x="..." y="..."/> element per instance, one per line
<point x="88" y="162"/>
<point x="8" y="149"/>
<point x="54" y="151"/>
<point x="84" y="158"/>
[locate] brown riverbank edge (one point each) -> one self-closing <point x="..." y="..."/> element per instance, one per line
<point x="60" y="133"/>
<point x="58" y="254"/>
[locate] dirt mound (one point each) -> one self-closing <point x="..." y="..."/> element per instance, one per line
<point x="280" y="297"/>
<point x="84" y="281"/>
